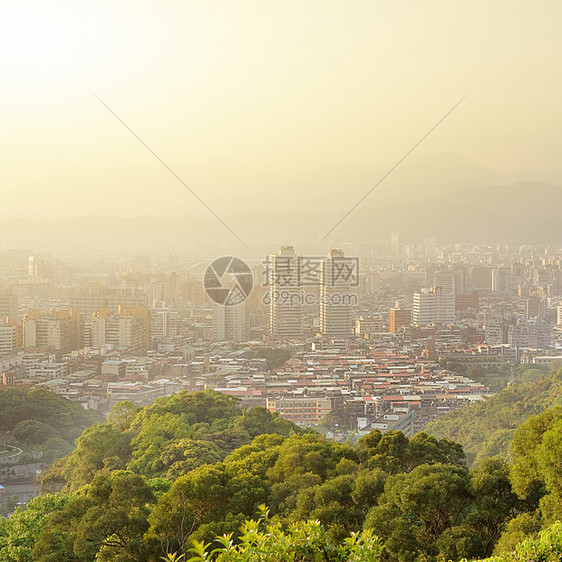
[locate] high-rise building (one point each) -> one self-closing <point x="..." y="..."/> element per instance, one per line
<point x="501" y="280"/>
<point x="40" y="268"/>
<point x="397" y="243"/>
<point x="433" y="306"/>
<point x="335" y="298"/>
<point x="230" y="322"/>
<point x="535" y="333"/>
<point x="535" y="306"/>
<point x="130" y="328"/>
<point x="134" y="328"/>
<point x="398" y="318"/>
<point x="467" y="300"/>
<point x="446" y="281"/>
<point x="60" y="330"/>
<point x="286" y="305"/>
<point x="481" y="278"/>
<point x="8" y="307"/>
<point x="95" y="332"/>
<point x="429" y="275"/>
<point x="450" y="281"/>
<point x="132" y="334"/>
<point x="163" y="323"/>
<point x="7" y="339"/>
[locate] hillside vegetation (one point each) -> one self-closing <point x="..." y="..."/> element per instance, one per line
<point x="167" y="439"/>
<point x="43" y="420"/>
<point x="486" y="428"/>
<point x="168" y="479"/>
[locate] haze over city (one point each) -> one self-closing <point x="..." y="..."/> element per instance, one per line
<point x="267" y="109"/>
<point x="280" y="280"/>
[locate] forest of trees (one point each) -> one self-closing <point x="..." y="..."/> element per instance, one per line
<point x="485" y="429"/>
<point x="42" y="420"/>
<point x="168" y="479"/>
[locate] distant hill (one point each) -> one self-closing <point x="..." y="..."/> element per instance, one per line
<point x="519" y="213"/>
<point x="524" y="212"/>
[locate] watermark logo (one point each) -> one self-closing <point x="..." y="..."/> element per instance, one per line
<point x="307" y="271"/>
<point x="291" y="280"/>
<point x="300" y="298"/>
<point x="228" y="281"/>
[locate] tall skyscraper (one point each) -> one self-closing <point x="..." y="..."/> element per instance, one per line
<point x="286" y="312"/>
<point x="335" y="298"/>
<point x="450" y="281"/>
<point x="481" y="278"/>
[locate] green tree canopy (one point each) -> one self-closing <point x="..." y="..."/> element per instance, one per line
<point x="19" y="533"/>
<point x="104" y="521"/>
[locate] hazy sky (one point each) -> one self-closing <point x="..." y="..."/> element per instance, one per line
<point x="245" y="98"/>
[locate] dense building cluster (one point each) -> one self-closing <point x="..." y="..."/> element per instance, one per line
<point x="377" y="338"/>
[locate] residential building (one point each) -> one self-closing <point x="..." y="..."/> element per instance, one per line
<point x="335" y="297"/>
<point x="301" y="410"/>
<point x="59" y="330"/>
<point x="286" y="296"/>
<point x="7" y="339"/>
<point x="535" y="306"/>
<point x="433" y="306"/>
<point x="230" y="322"/>
<point x="398" y="318"/>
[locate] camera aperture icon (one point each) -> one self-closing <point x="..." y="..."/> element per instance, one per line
<point x="228" y="280"/>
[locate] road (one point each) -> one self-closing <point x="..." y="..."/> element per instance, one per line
<point x="17" y="450"/>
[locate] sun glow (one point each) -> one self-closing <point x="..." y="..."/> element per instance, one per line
<point x="44" y="41"/>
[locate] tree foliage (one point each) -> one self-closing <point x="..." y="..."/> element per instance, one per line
<point x="486" y="428"/>
<point x="20" y="532"/>
<point x="537" y="462"/>
<point x="263" y="541"/>
<point x="149" y="482"/>
<point x="547" y="547"/>
<point x="172" y="436"/>
<point x="275" y="357"/>
<point x="42" y="419"/>
<point x="105" y="521"/>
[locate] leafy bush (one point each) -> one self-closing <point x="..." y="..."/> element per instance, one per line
<point x="263" y="541"/>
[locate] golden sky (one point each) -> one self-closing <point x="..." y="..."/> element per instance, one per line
<point x="247" y="99"/>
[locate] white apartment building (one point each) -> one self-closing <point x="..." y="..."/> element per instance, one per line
<point x="433" y="306"/>
<point x="230" y="322"/>
<point x="7" y="339"/>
